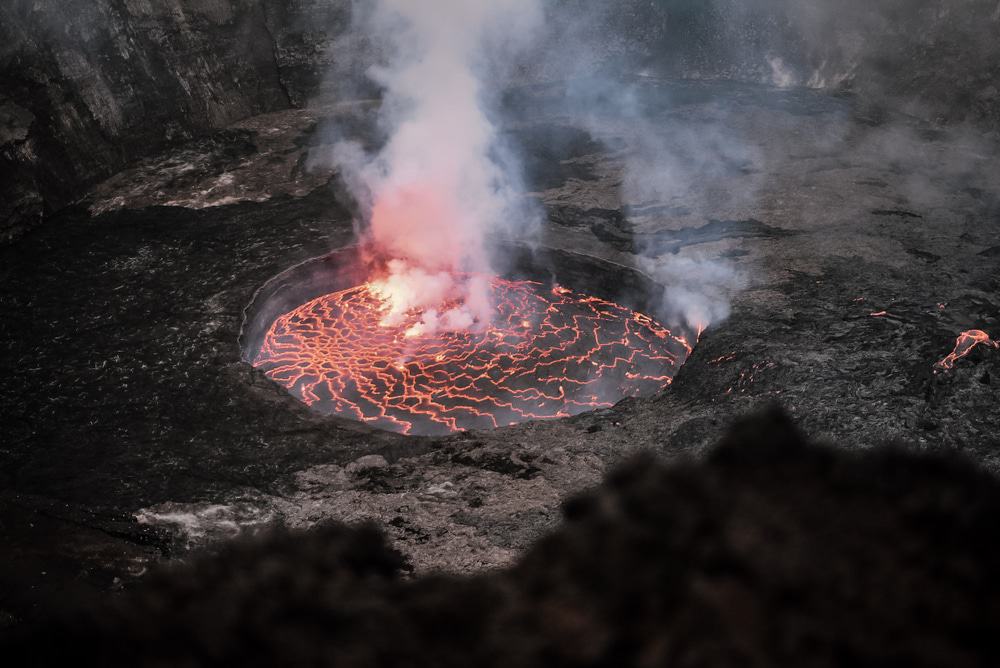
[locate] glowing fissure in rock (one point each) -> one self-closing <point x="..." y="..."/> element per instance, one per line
<point x="964" y="345"/>
<point x="546" y="353"/>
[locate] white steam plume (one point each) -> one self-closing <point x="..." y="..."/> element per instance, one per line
<point x="699" y="290"/>
<point x="702" y="164"/>
<point x="440" y="185"/>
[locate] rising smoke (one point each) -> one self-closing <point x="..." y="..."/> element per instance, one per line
<point x="441" y="184"/>
<point x="703" y="166"/>
<point x="661" y="161"/>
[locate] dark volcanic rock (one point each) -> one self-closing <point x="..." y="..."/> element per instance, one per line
<point x="21" y="204"/>
<point x="301" y="31"/>
<point x="935" y="58"/>
<point x="99" y="84"/>
<point x="127" y="408"/>
<point x="771" y="552"/>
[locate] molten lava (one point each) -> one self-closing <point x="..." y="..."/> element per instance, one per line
<point x="964" y="345"/>
<point x="547" y="353"/>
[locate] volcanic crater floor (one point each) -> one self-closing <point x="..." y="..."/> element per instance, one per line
<point x="548" y="352"/>
<point x="134" y="431"/>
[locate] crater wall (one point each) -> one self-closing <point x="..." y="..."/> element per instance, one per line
<point x="88" y="86"/>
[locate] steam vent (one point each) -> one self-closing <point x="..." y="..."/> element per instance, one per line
<point x="526" y="332"/>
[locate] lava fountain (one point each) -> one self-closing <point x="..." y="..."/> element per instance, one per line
<point x="550" y="350"/>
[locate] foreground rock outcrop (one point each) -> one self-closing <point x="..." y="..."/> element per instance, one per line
<point x="770" y="552"/>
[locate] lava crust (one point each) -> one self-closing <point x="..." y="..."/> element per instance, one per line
<point x="548" y="353"/>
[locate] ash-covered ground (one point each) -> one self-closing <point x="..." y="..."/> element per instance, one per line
<point x="134" y="431"/>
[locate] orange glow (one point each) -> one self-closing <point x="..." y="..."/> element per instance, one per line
<point x="419" y="225"/>
<point x="546" y="354"/>
<point x="729" y="357"/>
<point x="964" y="344"/>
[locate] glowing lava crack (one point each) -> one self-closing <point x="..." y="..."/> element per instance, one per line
<point x="548" y="353"/>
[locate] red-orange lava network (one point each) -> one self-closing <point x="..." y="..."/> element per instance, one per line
<point x="964" y="344"/>
<point x="549" y="352"/>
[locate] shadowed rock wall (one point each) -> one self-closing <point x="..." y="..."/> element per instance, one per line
<point x="88" y="86"/>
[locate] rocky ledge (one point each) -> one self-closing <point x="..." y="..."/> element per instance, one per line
<point x="768" y="551"/>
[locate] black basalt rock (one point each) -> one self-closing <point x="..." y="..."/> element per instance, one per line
<point x="770" y="552"/>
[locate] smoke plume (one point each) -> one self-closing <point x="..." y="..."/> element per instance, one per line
<point x="432" y="194"/>
<point x="440" y="184"/>
<point x="660" y="161"/>
<point x="699" y="290"/>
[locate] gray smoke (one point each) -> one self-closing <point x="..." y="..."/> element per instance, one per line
<point x="671" y="171"/>
<point x="661" y="162"/>
<point x="442" y="182"/>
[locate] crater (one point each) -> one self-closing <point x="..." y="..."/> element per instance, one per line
<point x="569" y="334"/>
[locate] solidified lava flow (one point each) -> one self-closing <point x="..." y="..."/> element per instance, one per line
<point x="548" y="353"/>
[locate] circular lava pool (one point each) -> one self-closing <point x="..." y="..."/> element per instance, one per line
<point x="559" y="344"/>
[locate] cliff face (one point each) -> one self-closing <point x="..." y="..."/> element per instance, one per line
<point x="86" y="87"/>
<point x="302" y="31"/>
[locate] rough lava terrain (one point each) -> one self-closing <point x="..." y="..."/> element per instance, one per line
<point x="134" y="431"/>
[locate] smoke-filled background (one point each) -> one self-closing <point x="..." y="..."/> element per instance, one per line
<point x="131" y="76"/>
<point x="443" y="179"/>
<point x="448" y="177"/>
<point x="443" y="173"/>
